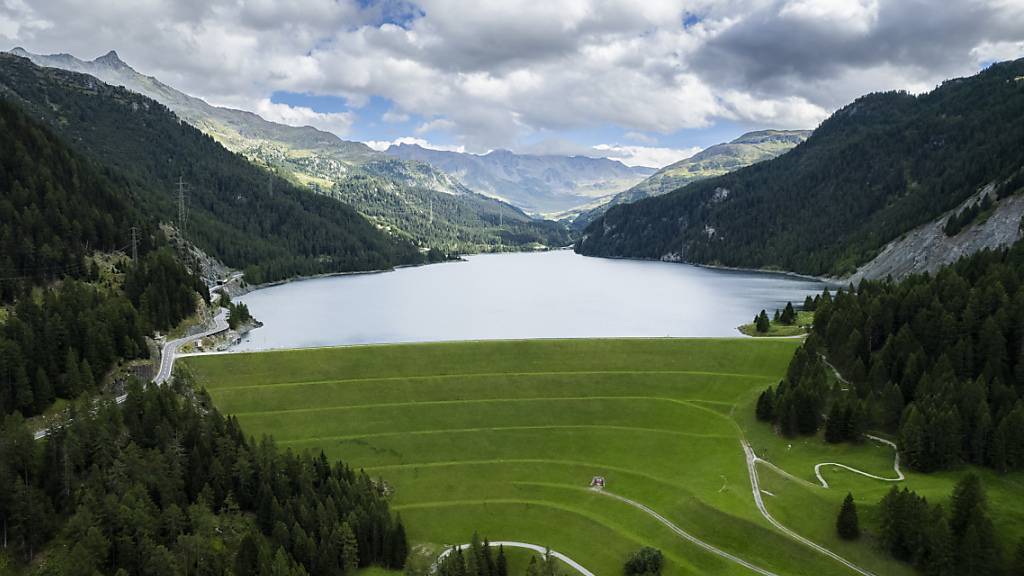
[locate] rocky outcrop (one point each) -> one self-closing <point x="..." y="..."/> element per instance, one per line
<point x="927" y="248"/>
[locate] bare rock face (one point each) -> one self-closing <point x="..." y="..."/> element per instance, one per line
<point x="927" y="248"/>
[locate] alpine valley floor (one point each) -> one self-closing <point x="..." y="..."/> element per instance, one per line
<point x="503" y="438"/>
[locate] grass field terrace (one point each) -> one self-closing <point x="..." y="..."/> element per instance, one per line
<point x="504" y="437"/>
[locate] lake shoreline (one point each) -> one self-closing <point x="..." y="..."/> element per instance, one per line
<point x="827" y="280"/>
<point x="554" y="294"/>
<point x="460" y="258"/>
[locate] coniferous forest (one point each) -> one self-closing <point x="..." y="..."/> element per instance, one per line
<point x="237" y="212"/>
<point x="67" y="325"/>
<point x="875" y="169"/>
<point x="161" y="484"/>
<point x="165" y="485"/>
<point x="935" y="359"/>
<point x="937" y="362"/>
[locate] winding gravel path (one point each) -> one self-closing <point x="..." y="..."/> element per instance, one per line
<point x="895" y="465"/>
<point x="690" y="537"/>
<point x="512" y="544"/>
<point x="755" y="485"/>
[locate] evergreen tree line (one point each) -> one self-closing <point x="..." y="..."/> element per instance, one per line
<point x="878" y="167"/>
<point x="56" y="209"/>
<point x="162" y="290"/>
<point x="937" y="360"/>
<point x="238" y="314"/>
<point x="242" y="214"/>
<point x="165" y="485"/>
<point x="786" y="316"/>
<point x="957" y="222"/>
<point x="64" y="343"/>
<point x="941" y="543"/>
<point x="480" y="559"/>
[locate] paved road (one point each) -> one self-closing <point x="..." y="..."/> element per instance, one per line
<point x="755" y="486"/>
<point x="167" y="356"/>
<point x="569" y="561"/>
<point x="895" y="465"/>
<point x="170" y="349"/>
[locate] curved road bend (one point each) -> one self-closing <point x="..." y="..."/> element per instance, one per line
<point x="665" y="521"/>
<point x="170" y="349"/>
<point x="755" y="486"/>
<point x="895" y="465"/>
<point x="167" y="356"/>
<point x="690" y="537"/>
<point x="508" y="544"/>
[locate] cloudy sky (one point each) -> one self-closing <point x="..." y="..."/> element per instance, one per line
<point x="644" y="81"/>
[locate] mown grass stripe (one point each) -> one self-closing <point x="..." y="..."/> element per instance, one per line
<point x="509" y="428"/>
<point x="547" y="462"/>
<point x="489" y="375"/>
<point x="683" y="401"/>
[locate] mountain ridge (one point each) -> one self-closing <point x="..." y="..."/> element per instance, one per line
<point x="877" y="168"/>
<point x="747" y="149"/>
<point x="326" y="163"/>
<point x="538" y="183"/>
<point x="237" y="212"/>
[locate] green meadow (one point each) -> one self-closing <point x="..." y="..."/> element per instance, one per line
<point x="504" y="437"/>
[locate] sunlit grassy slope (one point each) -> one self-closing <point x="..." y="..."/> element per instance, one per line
<point x="504" y="437"/>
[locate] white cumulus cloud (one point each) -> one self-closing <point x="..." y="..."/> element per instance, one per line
<point x="382" y="145"/>
<point x="337" y="122"/>
<point x="650" y="156"/>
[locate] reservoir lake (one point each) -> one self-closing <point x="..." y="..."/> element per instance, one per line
<point x="556" y="294"/>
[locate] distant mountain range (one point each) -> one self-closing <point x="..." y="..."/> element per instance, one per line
<point x="877" y="169"/>
<point x="719" y="159"/>
<point x="539" y="184"/>
<point x="406" y="197"/>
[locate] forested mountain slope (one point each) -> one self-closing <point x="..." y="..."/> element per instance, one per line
<point x="877" y="168"/>
<point x="325" y="163"/>
<point x="73" y="308"/>
<point x="536" y="183"/>
<point x="163" y="485"/>
<point x="237" y="212"/>
<point x="750" y="148"/>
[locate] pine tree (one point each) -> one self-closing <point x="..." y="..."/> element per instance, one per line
<point x="935" y="558"/>
<point x="788" y="314"/>
<point x="835" y="424"/>
<point x="248" y="556"/>
<point x="548" y="564"/>
<point x="349" y="550"/>
<point x="762" y="323"/>
<point x="501" y="564"/>
<point x="975" y="548"/>
<point x="399" y="548"/>
<point x="809" y="304"/>
<point x="766" y="405"/>
<point x="487" y="564"/>
<point x="474" y="557"/>
<point x="847" y="524"/>
<point x="533" y="569"/>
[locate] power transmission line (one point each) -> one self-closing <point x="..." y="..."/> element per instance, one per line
<point x="135" y="244"/>
<point x="182" y="212"/>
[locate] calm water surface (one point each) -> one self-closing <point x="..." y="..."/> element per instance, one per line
<point x="536" y="295"/>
